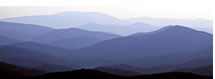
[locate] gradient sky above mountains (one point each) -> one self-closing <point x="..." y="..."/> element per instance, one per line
<point x="118" y="11"/>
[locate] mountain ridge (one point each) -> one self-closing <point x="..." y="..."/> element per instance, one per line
<point x="163" y="43"/>
<point x="20" y="31"/>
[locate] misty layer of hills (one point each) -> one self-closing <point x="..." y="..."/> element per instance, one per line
<point x="102" y="44"/>
<point x="9" y="71"/>
<point x="96" y="21"/>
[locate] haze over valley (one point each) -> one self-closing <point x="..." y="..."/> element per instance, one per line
<point x="78" y="44"/>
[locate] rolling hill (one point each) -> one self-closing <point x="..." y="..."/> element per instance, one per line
<point x="172" y="44"/>
<point x="54" y="67"/>
<point x="5" y="40"/>
<point x="73" y="38"/>
<point x="94" y="74"/>
<point x="19" y="31"/>
<point x="198" y="24"/>
<point x="198" y="66"/>
<point x="12" y="71"/>
<point x="67" y="19"/>
<point x="74" y="19"/>
<point x="119" y="69"/>
<point x="206" y="70"/>
<point x="120" y="29"/>
<point x="76" y="42"/>
<point x="46" y="49"/>
<point x="28" y="58"/>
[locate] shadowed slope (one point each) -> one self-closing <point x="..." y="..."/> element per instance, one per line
<point x="5" y="40"/>
<point x="19" y="31"/>
<point x="27" y="57"/>
<point x="93" y="74"/>
<point x="12" y="71"/>
<point x="206" y="70"/>
<point x="176" y="44"/>
<point x="73" y="38"/>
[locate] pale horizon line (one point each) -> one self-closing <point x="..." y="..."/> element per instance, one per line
<point x="106" y="14"/>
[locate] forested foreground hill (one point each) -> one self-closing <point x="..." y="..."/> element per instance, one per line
<point x="9" y="71"/>
<point x="94" y="74"/>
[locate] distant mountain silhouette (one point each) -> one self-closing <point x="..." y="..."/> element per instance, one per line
<point x="193" y="64"/>
<point x="27" y="57"/>
<point x="18" y="31"/>
<point x="188" y="59"/>
<point x="147" y="46"/>
<point x="138" y="70"/>
<point x="76" y="42"/>
<point x="73" y="37"/>
<point x="200" y="62"/>
<point x="190" y="66"/>
<point x="12" y="71"/>
<point x="17" y="72"/>
<point x="148" y="70"/>
<point x="53" y="67"/>
<point x="74" y="19"/>
<point x="5" y="40"/>
<point x="46" y="49"/>
<point x="68" y="19"/>
<point x="207" y="70"/>
<point x="94" y="74"/>
<point x="172" y="44"/>
<point x="121" y="69"/>
<point x="192" y="23"/>
<point x="120" y="29"/>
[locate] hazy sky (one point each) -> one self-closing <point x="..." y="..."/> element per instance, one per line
<point x="181" y="9"/>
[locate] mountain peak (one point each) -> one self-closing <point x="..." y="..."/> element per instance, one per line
<point x="176" y="29"/>
<point x="78" y="13"/>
